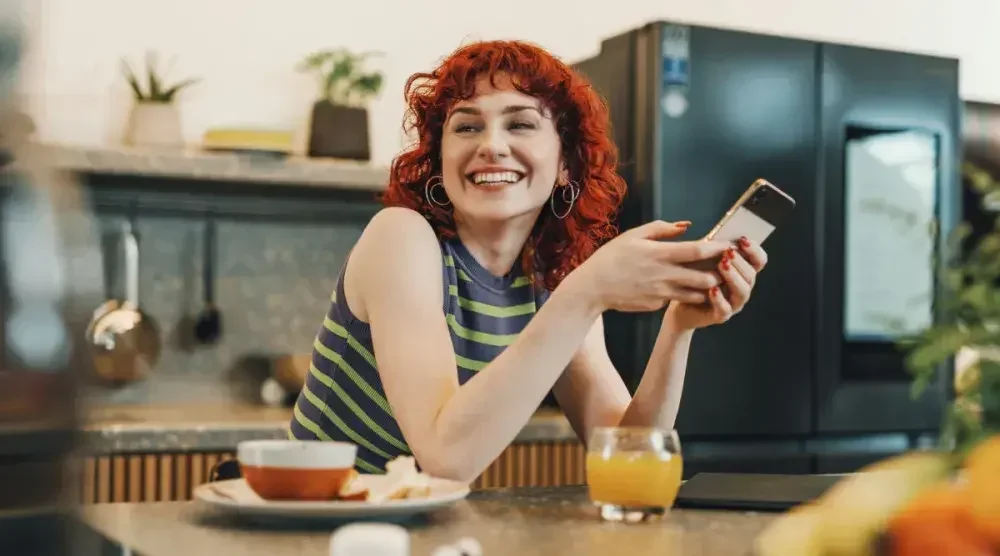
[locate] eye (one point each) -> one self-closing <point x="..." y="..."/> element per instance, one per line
<point x="522" y="124"/>
<point x="465" y="128"/>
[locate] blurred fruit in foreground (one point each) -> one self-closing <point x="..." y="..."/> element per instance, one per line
<point x="857" y="508"/>
<point x="982" y="472"/>
<point x="848" y="519"/>
<point x="793" y="533"/>
<point x="937" y="521"/>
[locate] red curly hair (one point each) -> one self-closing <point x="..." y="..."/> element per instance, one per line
<point x="556" y="246"/>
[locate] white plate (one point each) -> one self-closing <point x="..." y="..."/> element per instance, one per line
<point x="235" y="496"/>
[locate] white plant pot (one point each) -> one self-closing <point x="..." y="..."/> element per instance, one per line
<point x="154" y="124"/>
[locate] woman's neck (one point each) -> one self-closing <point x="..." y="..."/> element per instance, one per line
<point x="496" y="247"/>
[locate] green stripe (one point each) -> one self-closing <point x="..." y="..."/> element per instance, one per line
<point x="470" y="364"/>
<point x="309" y="425"/>
<point x="449" y="261"/>
<point x="351" y="340"/>
<point x="318" y="431"/>
<point x="356" y="409"/>
<point x="492" y="310"/>
<point x="337" y="360"/>
<point x="340" y="424"/>
<point x="481" y="337"/>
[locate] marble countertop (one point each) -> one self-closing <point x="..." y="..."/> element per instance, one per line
<point x="196" y="164"/>
<point x="147" y="429"/>
<point x="526" y="522"/>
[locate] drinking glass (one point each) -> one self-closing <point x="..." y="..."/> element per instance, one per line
<point x="633" y="473"/>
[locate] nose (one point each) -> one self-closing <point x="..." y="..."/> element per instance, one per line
<point x="493" y="145"/>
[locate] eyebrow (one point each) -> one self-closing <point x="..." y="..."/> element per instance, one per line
<point x="512" y="109"/>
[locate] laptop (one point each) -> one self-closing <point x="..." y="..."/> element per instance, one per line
<point x="752" y="491"/>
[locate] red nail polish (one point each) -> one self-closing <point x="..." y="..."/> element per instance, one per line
<point x="730" y="254"/>
<point x="682" y="224"/>
<point x="744" y="242"/>
<point x="714" y="291"/>
<point x="725" y="264"/>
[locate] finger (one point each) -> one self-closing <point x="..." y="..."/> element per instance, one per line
<point x="658" y="229"/>
<point x="742" y="266"/>
<point x="691" y="278"/>
<point x="691" y="251"/>
<point x="755" y="254"/>
<point x="739" y="288"/>
<point x="721" y="309"/>
<point x="692" y="297"/>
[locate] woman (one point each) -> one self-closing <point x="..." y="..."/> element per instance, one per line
<point x="481" y="286"/>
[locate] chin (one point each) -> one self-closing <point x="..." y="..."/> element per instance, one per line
<point x="497" y="210"/>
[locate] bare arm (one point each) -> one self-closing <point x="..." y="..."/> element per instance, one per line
<point x="592" y="393"/>
<point x="454" y="432"/>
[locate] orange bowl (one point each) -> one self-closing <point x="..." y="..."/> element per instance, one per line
<point x="296" y="469"/>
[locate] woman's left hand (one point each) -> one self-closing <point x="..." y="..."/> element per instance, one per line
<point x="739" y="269"/>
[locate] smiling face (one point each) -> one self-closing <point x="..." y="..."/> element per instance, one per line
<point x="500" y="155"/>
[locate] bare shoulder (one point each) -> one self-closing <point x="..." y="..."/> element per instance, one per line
<point x="397" y="252"/>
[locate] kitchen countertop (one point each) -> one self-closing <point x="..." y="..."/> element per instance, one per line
<point x="529" y="521"/>
<point x="196" y="164"/>
<point x="147" y="429"/>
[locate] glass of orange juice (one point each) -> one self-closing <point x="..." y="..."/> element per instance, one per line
<point x="633" y="473"/>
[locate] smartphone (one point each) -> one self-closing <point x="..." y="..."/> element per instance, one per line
<point x="755" y="215"/>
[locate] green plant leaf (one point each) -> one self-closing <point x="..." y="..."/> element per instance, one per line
<point x="154" y="80"/>
<point x="171" y="92"/>
<point x="133" y="81"/>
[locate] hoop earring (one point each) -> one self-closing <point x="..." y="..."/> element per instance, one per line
<point x="570" y="193"/>
<point x="434" y="181"/>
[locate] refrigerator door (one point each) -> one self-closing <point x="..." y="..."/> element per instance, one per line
<point x="889" y="168"/>
<point x="743" y="106"/>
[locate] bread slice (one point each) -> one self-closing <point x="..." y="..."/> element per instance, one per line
<point x="354" y="488"/>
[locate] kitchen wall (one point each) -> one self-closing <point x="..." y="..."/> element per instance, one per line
<point x="275" y="279"/>
<point x="273" y="287"/>
<point x="246" y="50"/>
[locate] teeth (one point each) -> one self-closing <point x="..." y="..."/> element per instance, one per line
<point x="496" y="177"/>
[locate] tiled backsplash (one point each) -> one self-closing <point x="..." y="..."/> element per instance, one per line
<point x="273" y="285"/>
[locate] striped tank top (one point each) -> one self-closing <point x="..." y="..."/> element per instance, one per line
<point x="343" y="397"/>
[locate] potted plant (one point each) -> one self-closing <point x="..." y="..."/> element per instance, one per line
<point x="970" y="335"/>
<point x="154" y="119"/>
<point x="339" y="123"/>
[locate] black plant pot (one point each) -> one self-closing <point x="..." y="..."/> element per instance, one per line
<point x="339" y="132"/>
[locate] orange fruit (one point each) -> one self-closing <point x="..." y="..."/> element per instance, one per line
<point x="936" y="521"/>
<point x="982" y="468"/>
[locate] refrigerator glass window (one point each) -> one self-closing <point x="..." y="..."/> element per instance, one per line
<point x="890" y="202"/>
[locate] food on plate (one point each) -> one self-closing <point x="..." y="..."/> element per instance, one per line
<point x="400" y="481"/>
<point x="296" y="469"/>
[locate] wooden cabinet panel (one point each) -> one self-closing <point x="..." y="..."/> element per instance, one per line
<point x="167" y="477"/>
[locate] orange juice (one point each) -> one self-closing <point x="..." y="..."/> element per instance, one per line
<point x="634" y="479"/>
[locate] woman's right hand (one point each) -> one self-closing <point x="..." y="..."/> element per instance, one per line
<point x="638" y="272"/>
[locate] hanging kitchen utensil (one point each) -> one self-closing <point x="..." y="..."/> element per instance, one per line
<point x="208" y="325"/>
<point x="123" y="339"/>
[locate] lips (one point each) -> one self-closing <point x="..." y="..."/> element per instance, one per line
<point x="494" y="178"/>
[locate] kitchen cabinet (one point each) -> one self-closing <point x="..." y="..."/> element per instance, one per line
<point x="173" y="476"/>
